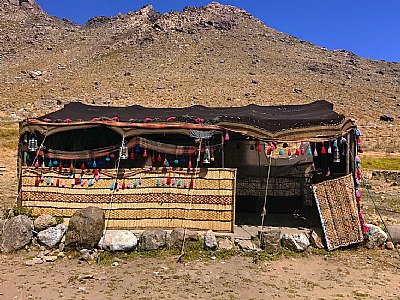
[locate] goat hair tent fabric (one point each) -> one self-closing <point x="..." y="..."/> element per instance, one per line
<point x="309" y="121"/>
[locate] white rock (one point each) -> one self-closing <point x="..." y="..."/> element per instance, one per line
<point x="376" y="237"/>
<point x="210" y="240"/>
<point x="295" y="241"/>
<point x="118" y="240"/>
<point x="52" y="236"/>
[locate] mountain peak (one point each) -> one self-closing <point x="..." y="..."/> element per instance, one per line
<point x="26" y="6"/>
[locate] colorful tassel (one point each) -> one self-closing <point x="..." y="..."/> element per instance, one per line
<point x="135" y="183"/>
<point x="42" y="178"/>
<point x="190" y="164"/>
<point x="90" y="182"/>
<point x="280" y="151"/>
<point x="83" y="167"/>
<point x="297" y="152"/>
<point x="58" y="182"/>
<point x="158" y="182"/>
<point x="36" y="164"/>
<point x="176" y="161"/>
<point x="273" y="147"/>
<point x="315" y="152"/>
<point x="226" y="136"/>
<point x="269" y="151"/>
<point x="63" y="183"/>
<point x="153" y="159"/>
<point x="55" y="163"/>
<point x="323" y="150"/>
<point x="94" y="164"/>
<point x="329" y="149"/>
<point x="335" y="144"/>
<point x="76" y="180"/>
<point x="50" y="165"/>
<point x="108" y="159"/>
<point x="60" y="167"/>
<point x="289" y="152"/>
<point x="112" y="155"/>
<point x="132" y="156"/>
<point x="48" y="180"/>
<point x="37" y="181"/>
<point x="191" y="184"/>
<point x="145" y="153"/>
<point x="258" y="147"/>
<point x="173" y="182"/>
<point x="309" y="151"/>
<point x="169" y="180"/>
<point x="137" y="149"/>
<point x="71" y="168"/>
<point x="185" y="183"/>
<point x="112" y="186"/>
<point x="159" y="157"/>
<point x="303" y="151"/>
<point x="140" y="180"/>
<point x="179" y="183"/>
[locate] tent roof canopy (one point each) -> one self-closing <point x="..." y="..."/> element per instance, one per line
<point x="317" y="119"/>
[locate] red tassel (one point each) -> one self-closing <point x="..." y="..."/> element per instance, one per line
<point x="71" y="167"/>
<point x="123" y="185"/>
<point x="323" y="151"/>
<point x="269" y="151"/>
<point x="83" y="167"/>
<point x="159" y="157"/>
<point x="132" y="156"/>
<point x="58" y="182"/>
<point x="191" y="184"/>
<point x="297" y="153"/>
<point x="258" y="147"/>
<point x="190" y="164"/>
<point x="76" y="180"/>
<point x="289" y="152"/>
<point x="169" y="180"/>
<point x="37" y="181"/>
<point x="153" y="159"/>
<point x="60" y="166"/>
<point x="96" y="172"/>
<point x="145" y="153"/>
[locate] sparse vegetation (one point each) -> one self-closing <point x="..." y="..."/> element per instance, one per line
<point x="16" y="211"/>
<point x="381" y="163"/>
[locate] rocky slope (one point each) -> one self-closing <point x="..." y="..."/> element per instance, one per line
<point x="215" y="55"/>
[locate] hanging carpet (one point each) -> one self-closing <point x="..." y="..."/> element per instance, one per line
<point x="337" y="208"/>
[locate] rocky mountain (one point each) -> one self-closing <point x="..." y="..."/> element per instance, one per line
<point x="216" y="55"/>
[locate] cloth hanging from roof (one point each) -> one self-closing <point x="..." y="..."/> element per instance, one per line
<point x="336" y="202"/>
<point x="137" y="141"/>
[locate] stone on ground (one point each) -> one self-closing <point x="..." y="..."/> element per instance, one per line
<point x="153" y="239"/>
<point x="295" y="241"/>
<point x="85" y="228"/>
<point x="376" y="237"/>
<point x="225" y="244"/>
<point x="316" y="238"/>
<point x="210" y="240"/>
<point x="394" y="233"/>
<point x="118" y="240"/>
<point x="15" y="233"/>
<point x="246" y="245"/>
<point x="175" y="239"/>
<point x="43" y="222"/>
<point x="270" y="239"/>
<point x="52" y="236"/>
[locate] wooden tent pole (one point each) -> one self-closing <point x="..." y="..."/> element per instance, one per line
<point x="222" y="151"/>
<point x="348" y="153"/>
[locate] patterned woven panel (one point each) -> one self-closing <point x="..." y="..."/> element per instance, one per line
<point x="208" y="205"/>
<point x="337" y="207"/>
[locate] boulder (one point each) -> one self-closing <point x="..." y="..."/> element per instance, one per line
<point x="210" y="240"/>
<point x="394" y="233"/>
<point x="270" y="239"/>
<point x="118" y="240"/>
<point x="316" y="238"/>
<point x="175" y="239"/>
<point x="246" y="245"/>
<point x="225" y="244"/>
<point x="295" y="241"/>
<point x="43" y="222"/>
<point x="52" y="236"/>
<point x="15" y="233"/>
<point x="153" y="239"/>
<point x="85" y="228"/>
<point x="387" y="118"/>
<point x="376" y="237"/>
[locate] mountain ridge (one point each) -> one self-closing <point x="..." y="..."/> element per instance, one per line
<point x="215" y="55"/>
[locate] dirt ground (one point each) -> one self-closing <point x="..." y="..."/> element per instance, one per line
<point x="350" y="274"/>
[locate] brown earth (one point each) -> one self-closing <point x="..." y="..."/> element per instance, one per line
<point x="351" y="274"/>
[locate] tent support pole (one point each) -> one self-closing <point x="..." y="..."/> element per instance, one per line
<point x="348" y="153"/>
<point x="222" y="151"/>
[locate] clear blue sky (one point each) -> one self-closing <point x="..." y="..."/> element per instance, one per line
<point x="369" y="28"/>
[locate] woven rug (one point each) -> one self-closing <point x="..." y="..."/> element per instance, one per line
<point x="337" y="208"/>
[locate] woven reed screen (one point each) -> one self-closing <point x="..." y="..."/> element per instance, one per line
<point x="336" y="202"/>
<point x="145" y="198"/>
